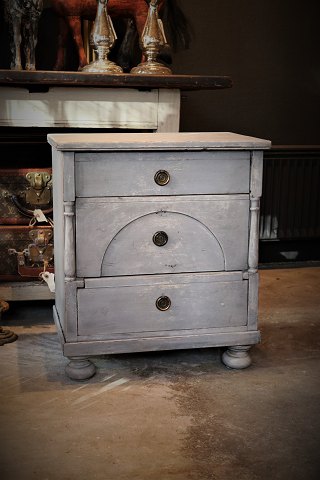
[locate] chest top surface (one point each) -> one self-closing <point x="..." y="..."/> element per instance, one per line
<point x="156" y="141"/>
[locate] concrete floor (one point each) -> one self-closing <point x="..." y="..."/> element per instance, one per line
<point x="170" y="415"/>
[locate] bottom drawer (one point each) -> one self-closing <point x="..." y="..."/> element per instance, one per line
<point x="159" y="303"/>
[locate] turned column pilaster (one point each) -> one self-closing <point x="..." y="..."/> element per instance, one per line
<point x="255" y="194"/>
<point x="69" y="242"/>
<point x="253" y="255"/>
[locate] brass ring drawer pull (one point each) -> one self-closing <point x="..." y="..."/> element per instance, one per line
<point x="163" y="303"/>
<point x="160" y="239"/>
<point x="162" y="177"/>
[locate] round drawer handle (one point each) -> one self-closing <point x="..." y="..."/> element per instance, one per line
<point x="160" y="239"/>
<point x="163" y="303"/>
<point x="162" y="177"/>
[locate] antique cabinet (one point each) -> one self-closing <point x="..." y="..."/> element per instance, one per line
<point x="156" y="243"/>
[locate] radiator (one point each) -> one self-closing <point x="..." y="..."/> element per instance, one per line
<point x="290" y="204"/>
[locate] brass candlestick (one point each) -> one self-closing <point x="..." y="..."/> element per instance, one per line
<point x="151" y="42"/>
<point x="102" y="39"/>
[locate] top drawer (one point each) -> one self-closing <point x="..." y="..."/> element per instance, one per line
<point x="101" y="174"/>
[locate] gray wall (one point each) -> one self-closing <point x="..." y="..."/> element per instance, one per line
<point x="270" y="48"/>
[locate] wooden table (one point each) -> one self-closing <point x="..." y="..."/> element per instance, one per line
<point x="91" y="100"/>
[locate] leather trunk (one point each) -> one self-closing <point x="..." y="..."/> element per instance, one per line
<point x="22" y="251"/>
<point x="22" y="191"/>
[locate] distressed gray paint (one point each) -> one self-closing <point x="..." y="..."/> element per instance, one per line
<point x="58" y="218"/>
<point x="190" y="173"/>
<point x="190" y="340"/>
<point x="181" y="141"/>
<point x="106" y="301"/>
<point x="256" y="173"/>
<point x="254" y="234"/>
<point x="69" y="242"/>
<point x="253" y="296"/>
<point x="123" y="308"/>
<point x="194" y="222"/>
<point x="69" y="194"/>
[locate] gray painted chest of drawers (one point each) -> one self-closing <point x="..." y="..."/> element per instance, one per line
<point x="156" y="243"/>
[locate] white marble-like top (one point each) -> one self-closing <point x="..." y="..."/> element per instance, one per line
<point x="156" y="141"/>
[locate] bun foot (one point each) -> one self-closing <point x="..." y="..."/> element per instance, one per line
<point x="237" y="357"/>
<point x="80" y="368"/>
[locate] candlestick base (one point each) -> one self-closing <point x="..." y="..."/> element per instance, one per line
<point x="151" y="68"/>
<point x="102" y="66"/>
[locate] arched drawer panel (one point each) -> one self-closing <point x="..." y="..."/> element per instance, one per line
<point x="163" y="242"/>
<point x="214" y="229"/>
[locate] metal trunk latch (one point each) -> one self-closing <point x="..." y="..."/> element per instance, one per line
<point x="39" y="192"/>
<point x="38" y="256"/>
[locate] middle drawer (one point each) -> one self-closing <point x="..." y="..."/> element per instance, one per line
<point x="136" y="236"/>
